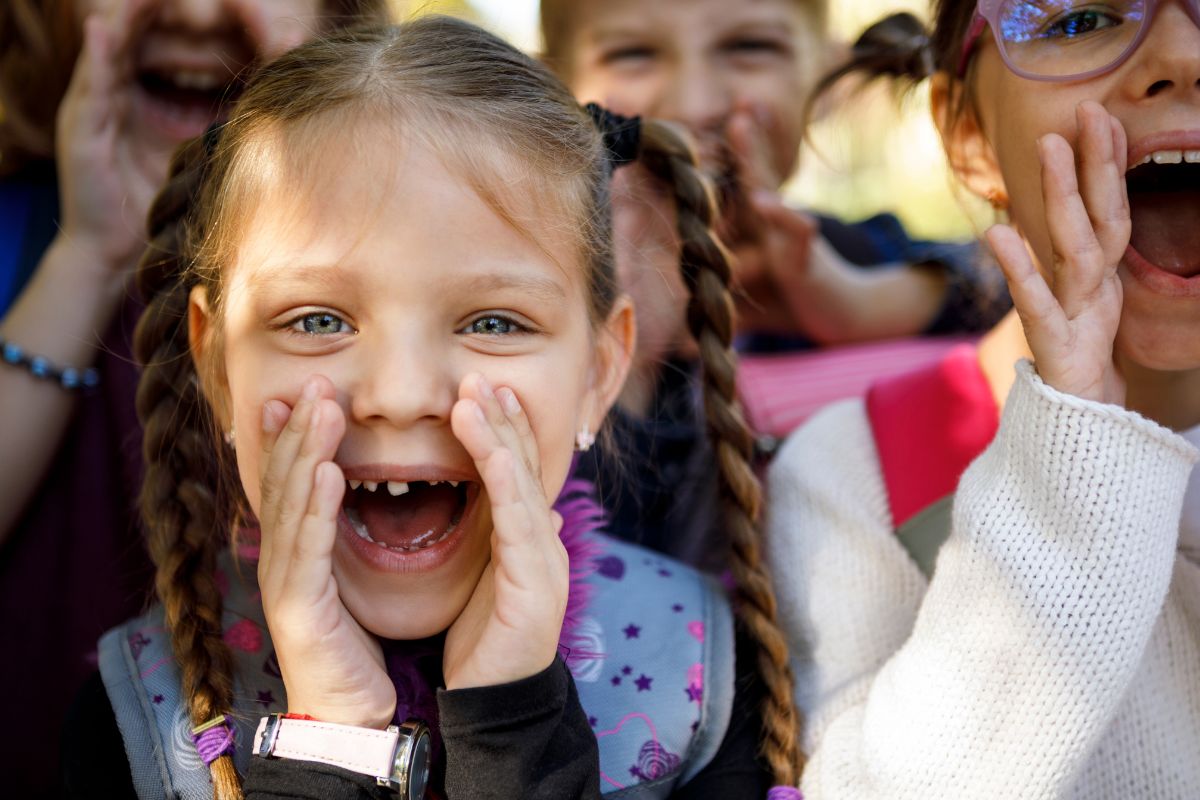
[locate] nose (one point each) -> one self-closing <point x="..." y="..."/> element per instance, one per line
<point x="1168" y="60"/>
<point x="200" y="15"/>
<point x="401" y="386"/>
<point x="699" y="95"/>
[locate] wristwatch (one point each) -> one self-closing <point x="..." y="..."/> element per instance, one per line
<point x="397" y="758"/>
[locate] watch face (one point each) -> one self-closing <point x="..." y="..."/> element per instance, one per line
<point x="418" y="775"/>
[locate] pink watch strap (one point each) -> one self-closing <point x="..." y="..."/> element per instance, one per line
<point x="363" y="750"/>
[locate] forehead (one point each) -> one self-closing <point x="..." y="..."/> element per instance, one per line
<point x="374" y="199"/>
<point x="598" y="18"/>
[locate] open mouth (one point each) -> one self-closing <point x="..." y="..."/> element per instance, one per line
<point x="187" y="101"/>
<point x="407" y="517"/>
<point x="1164" y="205"/>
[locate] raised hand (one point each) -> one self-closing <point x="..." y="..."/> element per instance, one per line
<point x="509" y="629"/>
<point x="332" y="668"/>
<point x="1071" y="319"/>
<point x="106" y="184"/>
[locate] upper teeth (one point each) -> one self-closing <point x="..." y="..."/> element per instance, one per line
<point x="371" y="485"/>
<point x="397" y="487"/>
<point x="1171" y="157"/>
<point x="194" y="79"/>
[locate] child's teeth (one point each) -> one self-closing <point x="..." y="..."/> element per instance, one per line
<point x="453" y="483"/>
<point x="396" y="488"/>
<point x="434" y="483"/>
<point x="1167" y="156"/>
<point x="1191" y="156"/>
<point x="355" y="484"/>
<point x="371" y="485"/>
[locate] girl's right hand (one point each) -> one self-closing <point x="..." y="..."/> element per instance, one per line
<point x="105" y="184"/>
<point x="332" y="668"/>
<point x="1071" y="322"/>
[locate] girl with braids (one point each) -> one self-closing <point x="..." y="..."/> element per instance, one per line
<point x="94" y="97"/>
<point x="737" y="75"/>
<point x="381" y="315"/>
<point x="1048" y="648"/>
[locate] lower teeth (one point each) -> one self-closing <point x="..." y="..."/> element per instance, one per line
<point x="422" y="542"/>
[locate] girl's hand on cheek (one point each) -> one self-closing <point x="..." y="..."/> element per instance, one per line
<point x="510" y="627"/>
<point x="1071" y="321"/>
<point x="333" y="669"/>
<point x="106" y="189"/>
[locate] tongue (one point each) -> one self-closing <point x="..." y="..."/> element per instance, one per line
<point x="411" y="519"/>
<point x="1166" y="229"/>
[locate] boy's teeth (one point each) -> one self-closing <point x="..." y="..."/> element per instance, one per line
<point x="1167" y="156"/>
<point x="371" y="485"/>
<point x="355" y="484"/>
<point x="1191" y="156"/>
<point x="453" y="483"/>
<point x="396" y="488"/>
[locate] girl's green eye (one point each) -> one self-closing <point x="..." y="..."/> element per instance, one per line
<point x="493" y="326"/>
<point x="321" y="324"/>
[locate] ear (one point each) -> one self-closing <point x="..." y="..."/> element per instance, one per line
<point x="970" y="153"/>
<point x="201" y="337"/>
<point x="615" y="344"/>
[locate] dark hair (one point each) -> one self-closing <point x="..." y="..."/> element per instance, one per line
<point x="460" y="84"/>
<point x="39" y="45"/>
<point x="900" y="47"/>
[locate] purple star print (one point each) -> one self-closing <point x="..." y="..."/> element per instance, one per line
<point x="643" y="683"/>
<point x="266" y="698"/>
<point x="631" y="631"/>
<point x="616" y="680"/>
<point x="626" y="670"/>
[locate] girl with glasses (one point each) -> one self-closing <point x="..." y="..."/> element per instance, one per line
<point x="1049" y="647"/>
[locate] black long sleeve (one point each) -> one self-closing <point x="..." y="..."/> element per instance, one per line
<point x="528" y="739"/>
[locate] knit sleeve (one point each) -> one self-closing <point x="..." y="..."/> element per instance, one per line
<point x="999" y="681"/>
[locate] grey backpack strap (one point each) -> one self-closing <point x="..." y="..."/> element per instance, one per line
<point x="924" y="533"/>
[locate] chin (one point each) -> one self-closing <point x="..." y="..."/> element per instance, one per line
<point x="405" y="613"/>
<point x="1159" y="330"/>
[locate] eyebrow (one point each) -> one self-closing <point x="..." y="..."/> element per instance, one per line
<point x="326" y="277"/>
<point x="537" y="286"/>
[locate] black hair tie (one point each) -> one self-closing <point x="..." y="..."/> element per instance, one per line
<point x="622" y="135"/>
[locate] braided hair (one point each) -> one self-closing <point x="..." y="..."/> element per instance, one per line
<point x="451" y="84"/>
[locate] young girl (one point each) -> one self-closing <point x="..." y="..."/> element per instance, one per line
<point x="737" y="74"/>
<point x="394" y="301"/>
<point x="96" y="95"/>
<point x="1054" y="651"/>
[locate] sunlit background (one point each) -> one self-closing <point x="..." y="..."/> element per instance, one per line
<point x="874" y="154"/>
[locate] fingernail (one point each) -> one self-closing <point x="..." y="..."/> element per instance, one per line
<point x="479" y="414"/>
<point x="486" y="388"/>
<point x="508" y="399"/>
<point x="310" y="389"/>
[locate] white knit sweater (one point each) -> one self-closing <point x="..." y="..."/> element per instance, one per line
<point x="1056" y="651"/>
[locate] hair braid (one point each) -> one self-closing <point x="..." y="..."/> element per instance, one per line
<point x="707" y="273"/>
<point x="182" y="502"/>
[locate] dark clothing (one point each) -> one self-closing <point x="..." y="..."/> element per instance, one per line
<point x="656" y="475"/>
<point x="527" y="740"/>
<point x="74" y="565"/>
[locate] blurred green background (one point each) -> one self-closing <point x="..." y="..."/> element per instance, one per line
<point x="878" y="153"/>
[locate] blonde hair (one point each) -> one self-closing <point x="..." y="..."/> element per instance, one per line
<point x="448" y="84"/>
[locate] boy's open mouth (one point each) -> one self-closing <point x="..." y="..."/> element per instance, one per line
<point x="407" y="516"/>
<point x="1164" y="205"/>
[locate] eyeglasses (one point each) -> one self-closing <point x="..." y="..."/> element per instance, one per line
<point x="1063" y="40"/>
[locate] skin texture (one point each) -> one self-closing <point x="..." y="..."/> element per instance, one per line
<point x="111" y="156"/>
<point x="736" y="74"/>
<point x="408" y="379"/>
<point x="1059" y="151"/>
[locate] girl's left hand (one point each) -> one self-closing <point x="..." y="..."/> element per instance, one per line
<point x="1071" y="319"/>
<point x="510" y="627"/>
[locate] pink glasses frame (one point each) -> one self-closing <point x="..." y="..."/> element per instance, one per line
<point x="986" y="12"/>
